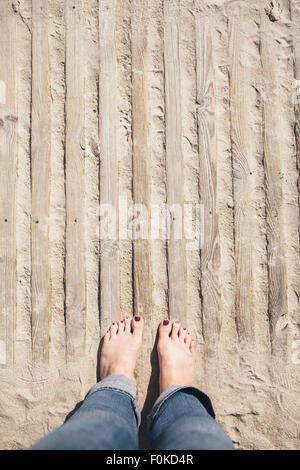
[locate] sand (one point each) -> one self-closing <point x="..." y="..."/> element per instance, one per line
<point x="177" y="102"/>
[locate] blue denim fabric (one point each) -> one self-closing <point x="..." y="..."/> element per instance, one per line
<point x="182" y="418"/>
<point x="107" y="420"/>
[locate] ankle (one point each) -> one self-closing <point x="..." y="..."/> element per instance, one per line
<point x="173" y="380"/>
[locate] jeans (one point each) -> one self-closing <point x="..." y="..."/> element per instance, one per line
<point x="182" y="418"/>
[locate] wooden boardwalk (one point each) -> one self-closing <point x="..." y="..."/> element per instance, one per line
<point x="109" y="103"/>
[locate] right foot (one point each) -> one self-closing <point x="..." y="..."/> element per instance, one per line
<point x="121" y="345"/>
<point x="176" y="355"/>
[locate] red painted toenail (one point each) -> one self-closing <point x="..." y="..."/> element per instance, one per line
<point x="184" y="328"/>
<point x="165" y="322"/>
<point x="113" y="323"/>
<point x="137" y="318"/>
<point x="122" y="321"/>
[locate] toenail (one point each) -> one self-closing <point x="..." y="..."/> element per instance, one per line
<point x="122" y="321"/>
<point x="137" y="318"/>
<point x="165" y="322"/>
<point x="177" y="321"/>
<point x="113" y="323"/>
<point x="184" y="328"/>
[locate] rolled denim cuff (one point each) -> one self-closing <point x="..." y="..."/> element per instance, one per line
<point x="203" y="398"/>
<point x="123" y="384"/>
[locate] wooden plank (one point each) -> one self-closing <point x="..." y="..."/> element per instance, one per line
<point x="75" y="246"/>
<point x="8" y="144"/>
<point x="141" y="155"/>
<point x="40" y="168"/>
<point x="142" y="268"/>
<point x="207" y="143"/>
<point x="274" y="155"/>
<point x="174" y="161"/>
<point x="295" y="17"/>
<point x="109" y="187"/>
<point x="242" y="159"/>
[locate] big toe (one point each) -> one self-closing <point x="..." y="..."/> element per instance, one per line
<point x="165" y="328"/>
<point x="137" y="325"/>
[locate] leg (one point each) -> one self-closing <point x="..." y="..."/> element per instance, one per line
<point x="183" y="416"/>
<point x="109" y="416"/>
<point x="105" y="420"/>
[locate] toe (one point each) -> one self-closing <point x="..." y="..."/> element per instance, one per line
<point x="165" y="328"/>
<point x="106" y="337"/>
<point x="127" y="325"/>
<point x="182" y="334"/>
<point x="137" y="325"/>
<point x="175" y="330"/>
<point x="193" y="347"/>
<point x="188" y="339"/>
<point x="113" y="330"/>
<point x="121" y="327"/>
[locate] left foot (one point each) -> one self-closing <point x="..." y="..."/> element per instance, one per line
<point x="121" y="346"/>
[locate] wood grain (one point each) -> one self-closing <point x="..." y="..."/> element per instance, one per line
<point x="295" y="17"/>
<point x="207" y="143"/>
<point x="141" y="155"/>
<point x="274" y="154"/>
<point x="75" y="242"/>
<point x="40" y="172"/>
<point x="174" y="162"/>
<point x="8" y="146"/>
<point x="109" y="187"/>
<point x="241" y="159"/>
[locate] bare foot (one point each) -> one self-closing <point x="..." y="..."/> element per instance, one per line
<point x="176" y="354"/>
<point x="120" y="348"/>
